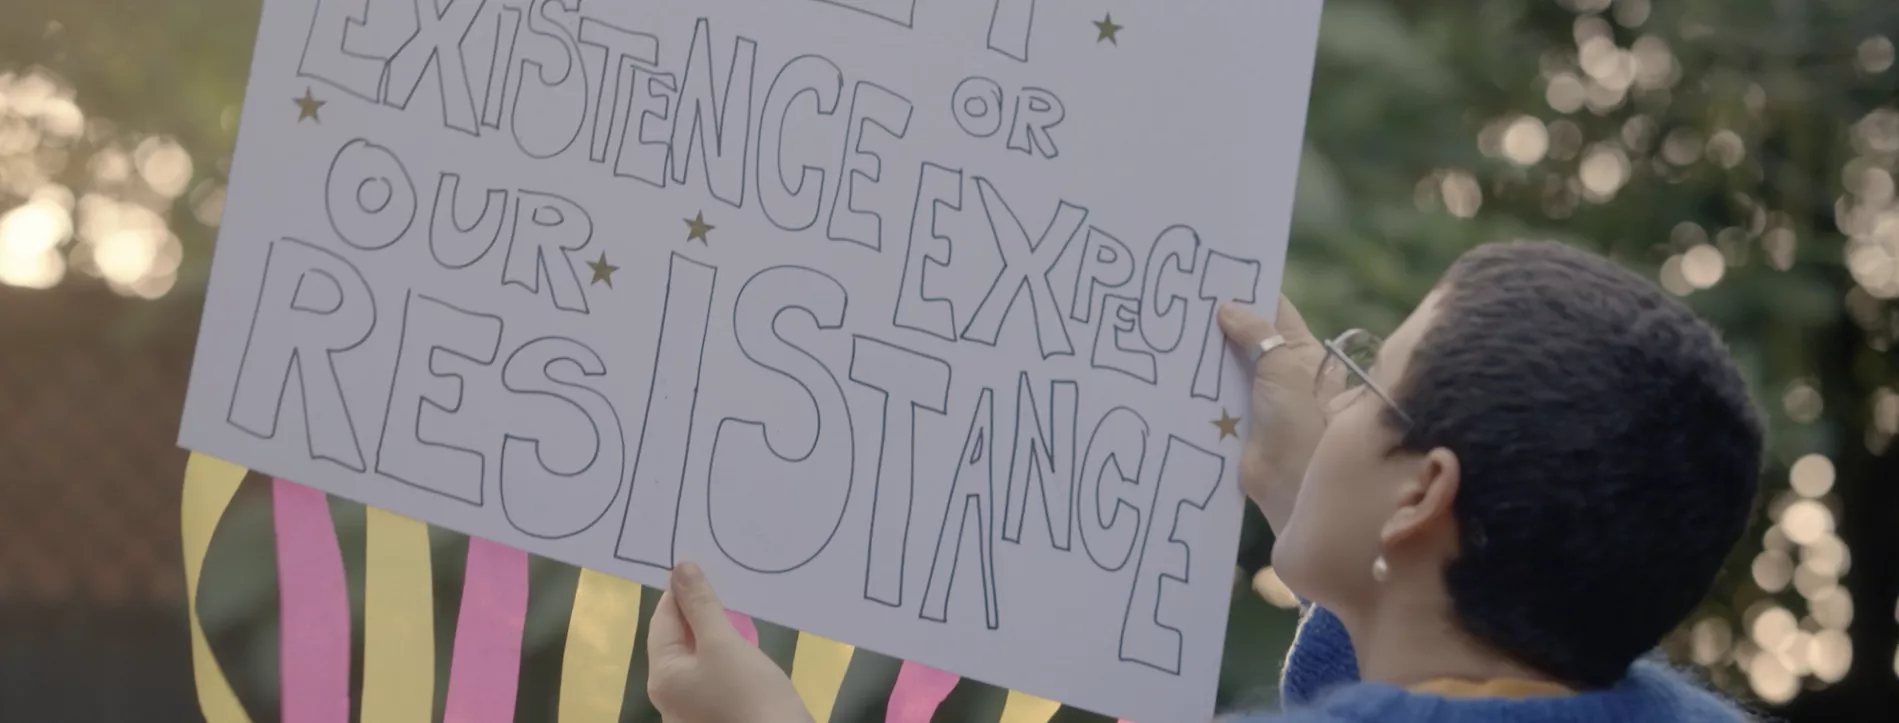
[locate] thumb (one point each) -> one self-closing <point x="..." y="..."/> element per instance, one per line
<point x="700" y="605"/>
<point x="1244" y="328"/>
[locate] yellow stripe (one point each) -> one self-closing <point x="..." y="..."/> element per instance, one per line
<point x="1024" y="708"/>
<point x="210" y="483"/>
<point x="398" y="620"/>
<point x="817" y="672"/>
<point x="606" y="618"/>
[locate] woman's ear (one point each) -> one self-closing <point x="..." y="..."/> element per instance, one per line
<point x="1425" y="500"/>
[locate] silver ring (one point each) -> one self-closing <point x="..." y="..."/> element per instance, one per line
<point x="1268" y="345"/>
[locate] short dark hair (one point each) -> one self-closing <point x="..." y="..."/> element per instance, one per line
<point x="1609" y="454"/>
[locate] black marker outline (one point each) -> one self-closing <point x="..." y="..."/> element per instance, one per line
<point x="542" y="267"/>
<point x="1037" y="252"/>
<point x="1213" y="342"/>
<point x="928" y="259"/>
<point x="447" y="192"/>
<point x="613" y="72"/>
<point x="776" y="153"/>
<point x="1028" y="31"/>
<point x="958" y="105"/>
<point x="1037" y="139"/>
<point x="350" y="20"/>
<point x="634" y="486"/>
<point x="296" y="356"/>
<point x="921" y="365"/>
<point x="745" y="52"/>
<point x="973" y="446"/>
<point x="1152" y="280"/>
<point x="859" y="6"/>
<point x="1041" y="451"/>
<point x="356" y="194"/>
<point x="1092" y="473"/>
<point x="1083" y="309"/>
<point x="494" y="95"/>
<point x="393" y="80"/>
<point x="601" y="441"/>
<point x="845" y="197"/>
<point x="422" y="397"/>
<point x="576" y="61"/>
<point x="817" y="438"/>
<point x="670" y="82"/>
<point x="1112" y="330"/>
<point x="1160" y="585"/>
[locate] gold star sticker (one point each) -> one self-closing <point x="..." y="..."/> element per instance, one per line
<point x="697" y="228"/>
<point x="1228" y="424"/>
<point x="1108" y="29"/>
<point x="307" y="107"/>
<point x="603" y="271"/>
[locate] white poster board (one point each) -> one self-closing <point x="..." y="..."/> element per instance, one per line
<point x="896" y="315"/>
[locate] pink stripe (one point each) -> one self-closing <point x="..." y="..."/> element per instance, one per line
<point x="920" y="689"/>
<point x="746" y="628"/>
<point x="315" y="605"/>
<point x="486" y="667"/>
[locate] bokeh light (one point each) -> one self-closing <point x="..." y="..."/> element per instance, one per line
<point x="118" y="230"/>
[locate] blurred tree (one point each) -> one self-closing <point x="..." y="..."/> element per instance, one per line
<point x="1741" y="153"/>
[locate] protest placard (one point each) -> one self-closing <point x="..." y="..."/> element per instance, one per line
<point x="897" y="315"/>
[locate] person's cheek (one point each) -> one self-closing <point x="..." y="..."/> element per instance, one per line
<point x="1300" y="553"/>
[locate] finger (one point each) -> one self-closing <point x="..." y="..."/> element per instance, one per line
<point x="666" y="632"/>
<point x="1292" y="323"/>
<point x="1243" y="327"/>
<point x="700" y="605"/>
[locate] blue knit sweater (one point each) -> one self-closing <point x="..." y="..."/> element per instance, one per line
<point x="1321" y="685"/>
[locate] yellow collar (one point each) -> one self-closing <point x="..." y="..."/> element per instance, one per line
<point x="1511" y="688"/>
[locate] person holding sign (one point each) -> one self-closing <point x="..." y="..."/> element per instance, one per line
<point x="1496" y="514"/>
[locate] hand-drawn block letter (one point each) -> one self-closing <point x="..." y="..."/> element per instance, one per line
<point x="497" y="68"/>
<point x="707" y="125"/>
<point x="562" y="479"/>
<point x="751" y="513"/>
<point x="976" y="104"/>
<point x="857" y="208"/>
<point x="1025" y="268"/>
<point x="438" y="42"/>
<point x="1189" y="476"/>
<point x="369" y="196"/>
<point x="938" y="188"/>
<point x="969" y="510"/>
<point x="427" y="439"/>
<point x="910" y="382"/>
<point x="1225" y="279"/>
<point x="1113" y="349"/>
<point x="454" y="245"/>
<point x="1009" y="28"/>
<point x="551" y="90"/>
<point x="313" y="305"/>
<point x="623" y="55"/>
<point x="1170" y="265"/>
<point x="1044" y="458"/>
<point x="649" y="123"/>
<point x="350" y="43"/>
<point x="1036" y="111"/>
<point x="1119" y="442"/>
<point x="794" y="207"/>
<point x="659" y="467"/>
<point x="1106" y="263"/>
<point x="547" y="230"/>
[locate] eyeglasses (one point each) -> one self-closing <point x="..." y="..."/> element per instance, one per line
<point x="1343" y="375"/>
